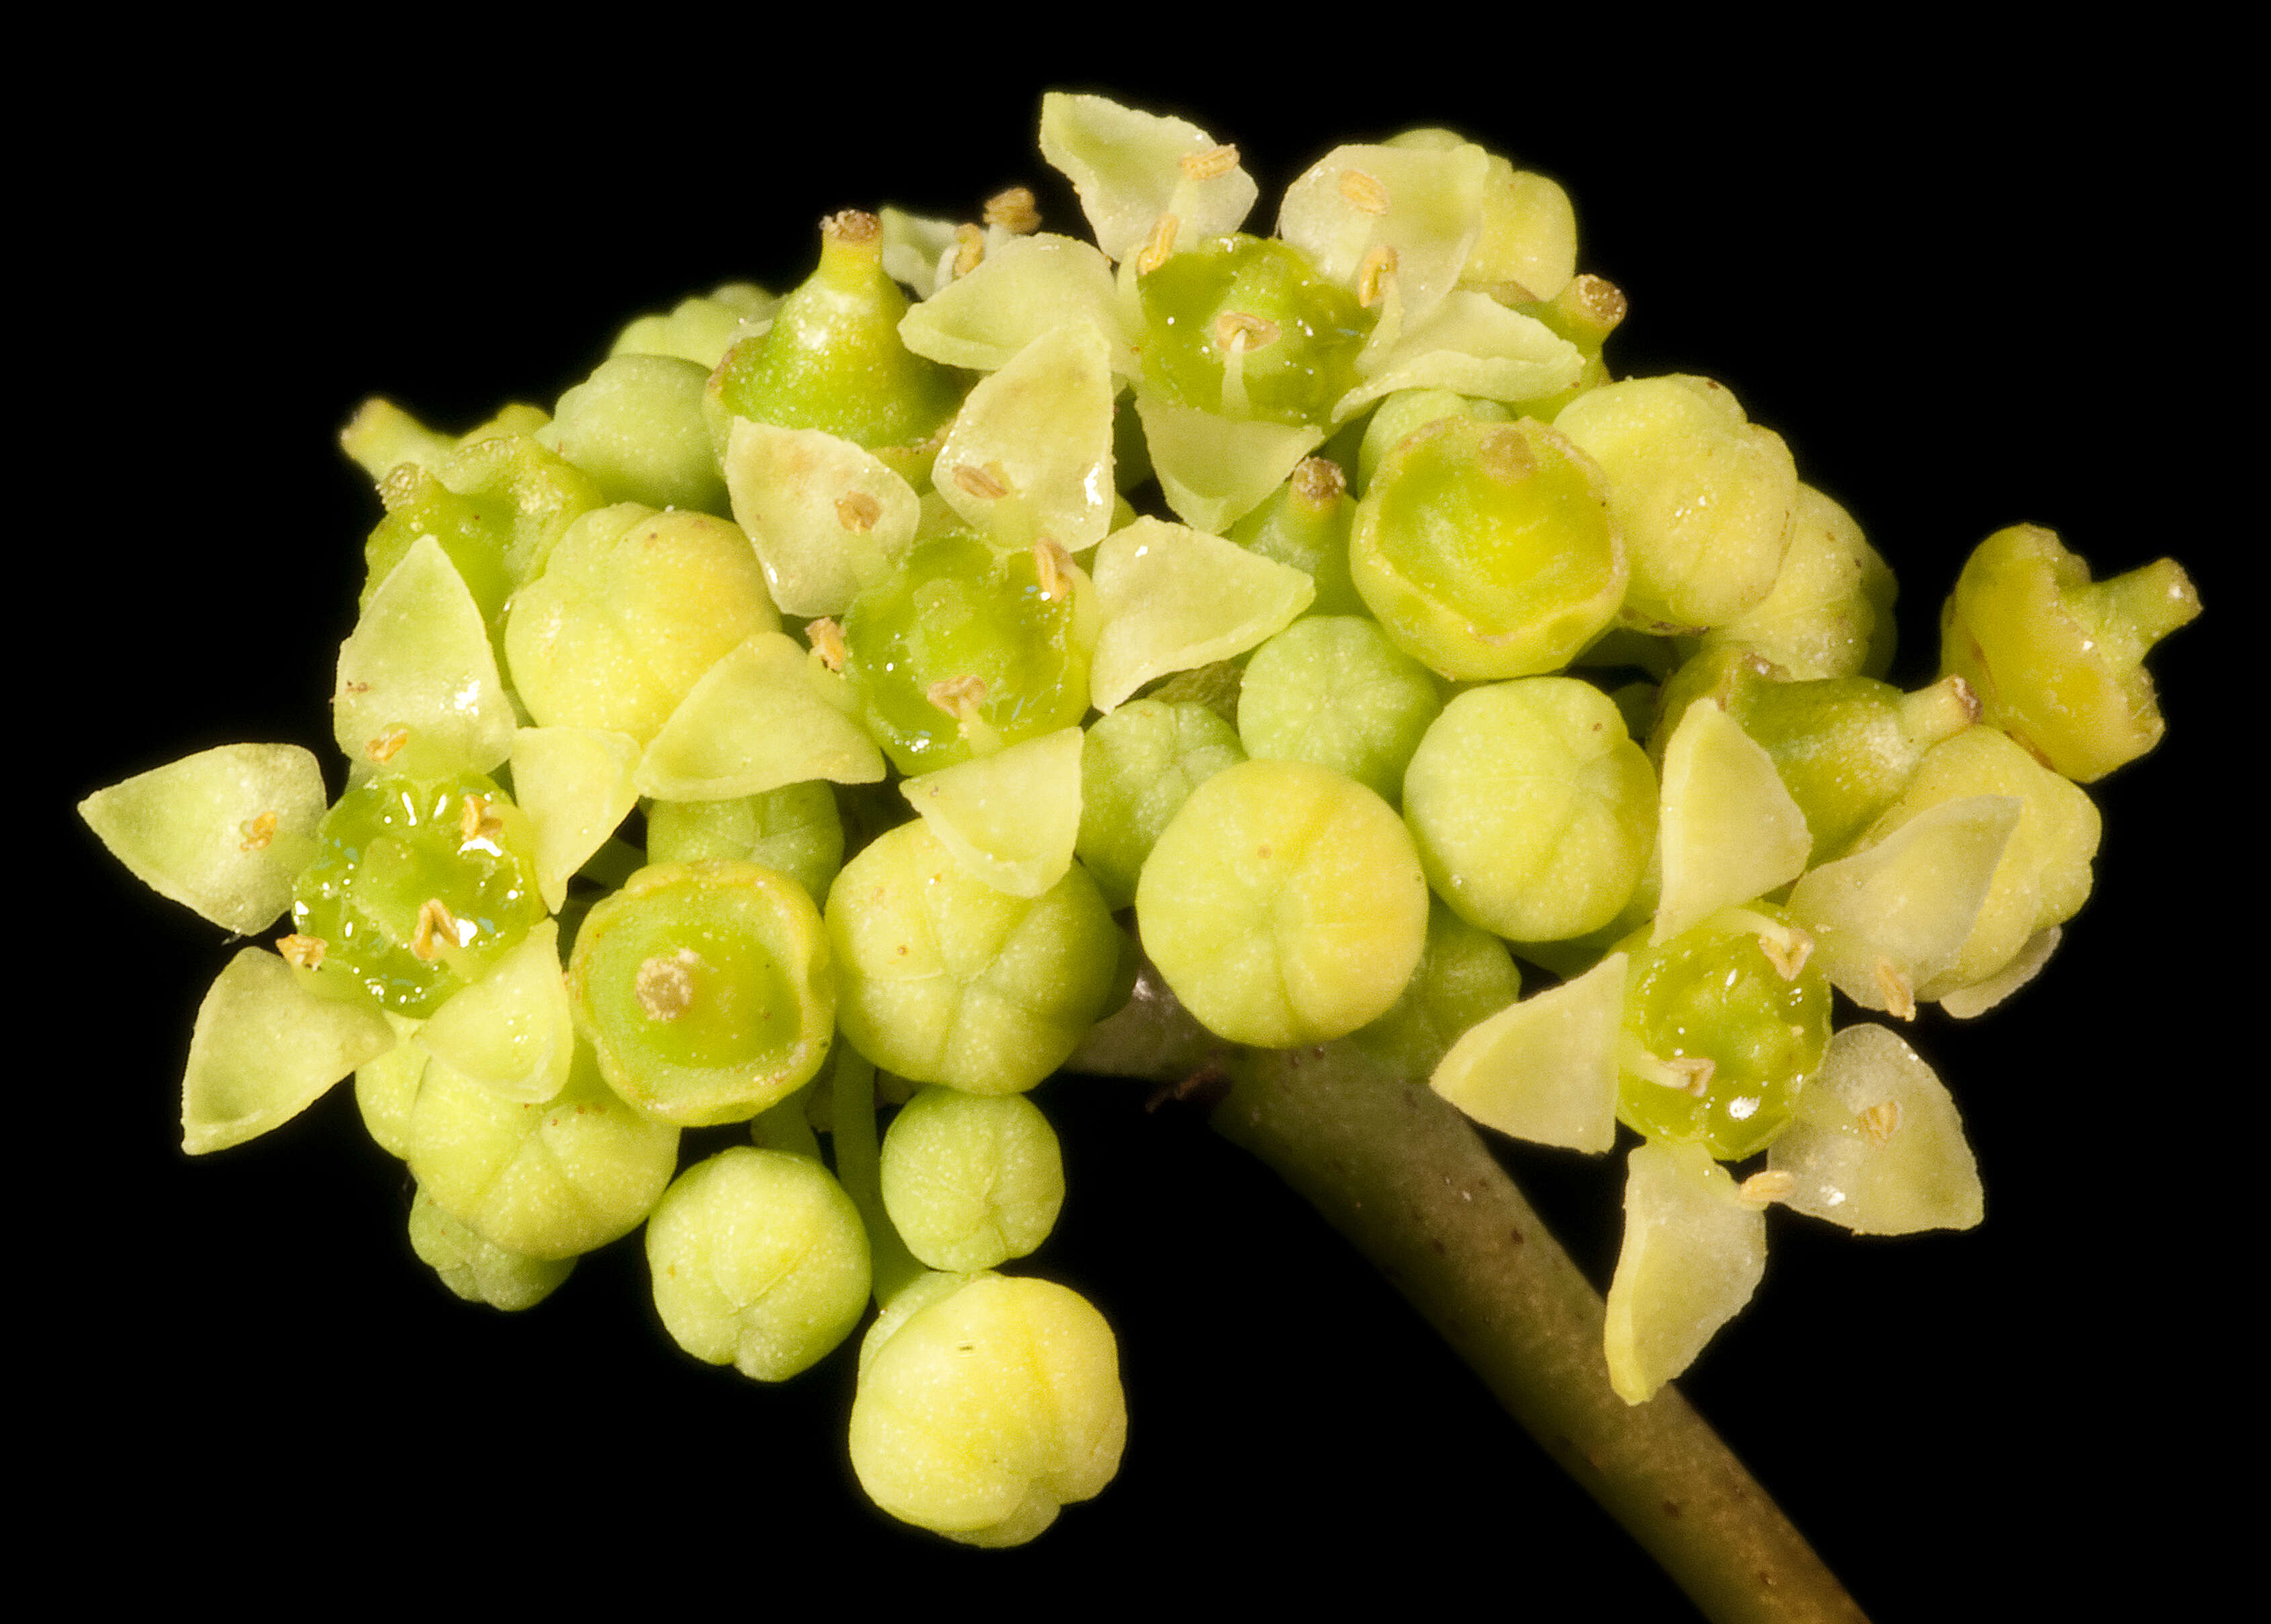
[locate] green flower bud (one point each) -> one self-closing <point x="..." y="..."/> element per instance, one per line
<point x="1140" y="764"/>
<point x="632" y="610"/>
<point x="480" y="1271"/>
<point x="991" y="1406"/>
<point x="635" y="427"/>
<point x="1533" y="812"/>
<point x="1488" y="550"/>
<point x="1703" y="497"/>
<point x="972" y="1180"/>
<point x="759" y="1261"/>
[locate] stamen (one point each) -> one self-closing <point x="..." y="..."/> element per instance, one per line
<point x="1882" y="1121"/>
<point x="478" y="820"/>
<point x="968" y="249"/>
<point x="1372" y="276"/>
<point x="1899" y="992"/>
<point x="1769" y="1185"/>
<point x="1213" y="161"/>
<point x="1013" y="210"/>
<point x="434" y="920"/>
<point x="988" y="483"/>
<point x="1364" y="190"/>
<point x="258" y="832"/>
<point x="388" y="745"/>
<point x="1052" y="569"/>
<point x="826" y="639"/>
<point x="857" y="510"/>
<point x="1160" y="246"/>
<point x="305" y="951"/>
<point x="958" y="697"/>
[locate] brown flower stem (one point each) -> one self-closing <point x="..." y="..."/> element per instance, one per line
<point x="1399" y="1171"/>
<point x="1401" y="1174"/>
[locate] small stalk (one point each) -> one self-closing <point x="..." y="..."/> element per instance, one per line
<point x="859" y="1168"/>
<point x="1399" y="1171"/>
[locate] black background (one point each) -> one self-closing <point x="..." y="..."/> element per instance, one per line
<point x="1966" y="297"/>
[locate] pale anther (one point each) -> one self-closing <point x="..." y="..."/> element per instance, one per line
<point x="1364" y="190"/>
<point x="478" y="820"/>
<point x="826" y="639"/>
<point x="857" y="510"/>
<point x="1772" y="1184"/>
<point x="1372" y="276"/>
<point x="1206" y="165"/>
<point x="1052" y="569"/>
<point x="1897" y="990"/>
<point x="1786" y="951"/>
<point x="1013" y="210"/>
<point x="305" y="951"/>
<point x="1882" y="1121"/>
<point x="968" y="249"/>
<point x="986" y="482"/>
<point x="258" y="832"/>
<point x="434" y="920"/>
<point x="1160" y="246"/>
<point x="1699" y="1068"/>
<point x="388" y="745"/>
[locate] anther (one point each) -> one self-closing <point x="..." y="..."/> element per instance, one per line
<point x="826" y="639"/>
<point x="1898" y="991"/>
<point x="1769" y="1185"/>
<point x="987" y="483"/>
<point x="1364" y="190"/>
<point x="1372" y="276"/>
<point x="434" y="920"/>
<point x="857" y="510"/>
<point x="968" y="249"/>
<point x="1160" y="246"/>
<point x="478" y="820"/>
<point x="1052" y="569"/>
<point x="1013" y="210"/>
<point x="958" y="697"/>
<point x="1882" y="1121"/>
<point x="1206" y="165"/>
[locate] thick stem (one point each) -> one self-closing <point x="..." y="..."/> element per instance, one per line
<point x="1402" y="1174"/>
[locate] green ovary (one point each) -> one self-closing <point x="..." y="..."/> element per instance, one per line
<point x="1712" y="993"/>
<point x="958" y="611"/>
<point x="1297" y="333"/>
<point x="1487" y="549"/>
<point x="411" y="896"/>
<point x="706" y="989"/>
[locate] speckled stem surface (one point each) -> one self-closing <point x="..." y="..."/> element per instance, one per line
<point x="1401" y="1174"/>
